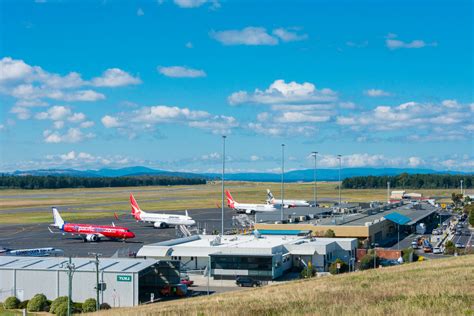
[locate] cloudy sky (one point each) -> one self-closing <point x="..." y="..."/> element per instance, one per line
<point x="91" y="84"/>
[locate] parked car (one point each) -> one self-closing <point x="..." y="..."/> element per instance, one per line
<point x="247" y="282"/>
<point x="187" y="282"/>
<point x="459" y="245"/>
<point x="458" y="233"/>
<point x="437" y="250"/>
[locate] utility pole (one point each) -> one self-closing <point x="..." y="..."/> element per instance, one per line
<point x="388" y="192"/>
<point x="461" y="188"/>
<point x="340" y="183"/>
<point x="98" y="289"/>
<point x="282" y="180"/>
<point x="315" y="153"/>
<point x="223" y="173"/>
<point x="70" y="271"/>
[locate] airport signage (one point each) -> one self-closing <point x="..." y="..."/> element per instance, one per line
<point x="124" y="278"/>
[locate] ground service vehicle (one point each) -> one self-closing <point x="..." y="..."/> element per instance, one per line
<point x="247" y="282"/>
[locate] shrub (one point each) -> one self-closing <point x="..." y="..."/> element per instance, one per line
<point x="89" y="305"/>
<point x="11" y="303"/>
<point x="77" y="307"/>
<point x="61" y="309"/>
<point x="333" y="267"/>
<point x="409" y="253"/>
<point x="330" y="233"/>
<point x="38" y="303"/>
<point x="104" y="306"/>
<point x="449" y="248"/>
<point x="307" y="273"/>
<point x="58" y="301"/>
<point x="23" y="304"/>
<point x="367" y="262"/>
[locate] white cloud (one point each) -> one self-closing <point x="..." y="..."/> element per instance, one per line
<point x="55" y="113"/>
<point x="272" y="129"/>
<point x="11" y="69"/>
<point x="414" y="121"/>
<point x="189" y="4"/>
<point x="115" y="77"/>
<point x="110" y="121"/>
<point x="86" y="124"/>
<point x="376" y="93"/>
<point x="247" y="36"/>
<point x="280" y="92"/>
<point x="181" y="72"/>
<point x="415" y="161"/>
<point x="392" y="43"/>
<point x="219" y="124"/>
<point x="255" y="158"/>
<point x="140" y="12"/>
<point x="31" y="85"/>
<point x="77" y="118"/>
<point x="288" y="36"/>
<point x="189" y="45"/>
<point x="301" y="117"/>
<point x="21" y="113"/>
<point x="73" y="135"/>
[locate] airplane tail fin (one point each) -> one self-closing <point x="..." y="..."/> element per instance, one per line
<point x="135" y="208"/>
<point x="230" y="200"/>
<point x="58" y="220"/>
<point x="270" y="197"/>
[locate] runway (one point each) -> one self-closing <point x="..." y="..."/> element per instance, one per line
<point x="38" y="235"/>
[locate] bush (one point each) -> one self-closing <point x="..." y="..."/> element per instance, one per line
<point x="330" y="233"/>
<point x="449" y="248"/>
<point x="61" y="309"/>
<point x="367" y="262"/>
<point x="38" y="303"/>
<point x="104" y="306"/>
<point x="58" y="301"/>
<point x="307" y="273"/>
<point x="333" y="267"/>
<point x="23" y="304"/>
<point x="409" y="253"/>
<point x="11" y="303"/>
<point x="89" y="305"/>
<point x="77" y="307"/>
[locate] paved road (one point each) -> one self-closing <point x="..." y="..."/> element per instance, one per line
<point x="38" y="236"/>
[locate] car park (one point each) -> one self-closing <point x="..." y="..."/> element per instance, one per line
<point x="247" y="282"/>
<point x="459" y="245"/>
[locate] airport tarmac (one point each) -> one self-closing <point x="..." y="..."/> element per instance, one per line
<point x="38" y="235"/>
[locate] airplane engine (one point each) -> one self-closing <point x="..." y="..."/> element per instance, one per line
<point x="248" y="212"/>
<point x="92" y="238"/>
<point x="160" y="225"/>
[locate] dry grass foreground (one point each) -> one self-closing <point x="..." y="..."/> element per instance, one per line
<point x="436" y="287"/>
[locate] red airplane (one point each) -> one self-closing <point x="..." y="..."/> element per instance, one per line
<point x="90" y="232"/>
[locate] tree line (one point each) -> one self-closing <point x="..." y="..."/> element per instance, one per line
<point x="59" y="182"/>
<point x="410" y="181"/>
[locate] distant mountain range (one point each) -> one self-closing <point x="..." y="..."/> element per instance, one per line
<point x="291" y="176"/>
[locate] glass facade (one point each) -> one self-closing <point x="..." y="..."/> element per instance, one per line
<point x="258" y="266"/>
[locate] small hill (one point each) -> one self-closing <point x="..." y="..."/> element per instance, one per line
<point x="436" y="287"/>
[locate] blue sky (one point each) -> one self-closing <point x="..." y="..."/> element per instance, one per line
<point x="91" y="84"/>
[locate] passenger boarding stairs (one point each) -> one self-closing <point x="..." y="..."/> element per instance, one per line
<point x="185" y="231"/>
<point x="242" y="221"/>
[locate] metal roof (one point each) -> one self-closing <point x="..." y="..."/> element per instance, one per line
<point x="82" y="264"/>
<point x="397" y="218"/>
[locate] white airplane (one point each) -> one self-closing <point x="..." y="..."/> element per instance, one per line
<point x="288" y="203"/>
<point x="159" y="220"/>
<point x="249" y="208"/>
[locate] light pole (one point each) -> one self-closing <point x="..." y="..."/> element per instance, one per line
<point x="70" y="271"/>
<point x="315" y="153"/>
<point x="223" y="173"/>
<point x="282" y="180"/>
<point x="98" y="289"/>
<point x="461" y="187"/>
<point x="388" y="192"/>
<point x="340" y="164"/>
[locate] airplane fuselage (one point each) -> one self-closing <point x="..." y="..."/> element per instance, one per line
<point x="113" y="232"/>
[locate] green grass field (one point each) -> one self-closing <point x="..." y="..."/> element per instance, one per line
<point x="33" y="206"/>
<point x="436" y="287"/>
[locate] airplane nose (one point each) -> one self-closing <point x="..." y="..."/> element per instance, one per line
<point x="131" y="235"/>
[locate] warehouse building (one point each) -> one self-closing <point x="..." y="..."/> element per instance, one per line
<point x="373" y="225"/>
<point x="128" y="282"/>
<point x="263" y="255"/>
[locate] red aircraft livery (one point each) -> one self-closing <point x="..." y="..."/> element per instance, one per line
<point x="90" y="232"/>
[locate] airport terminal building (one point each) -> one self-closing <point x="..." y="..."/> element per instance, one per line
<point x="372" y="225"/>
<point x="262" y="256"/>
<point x="129" y="282"/>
